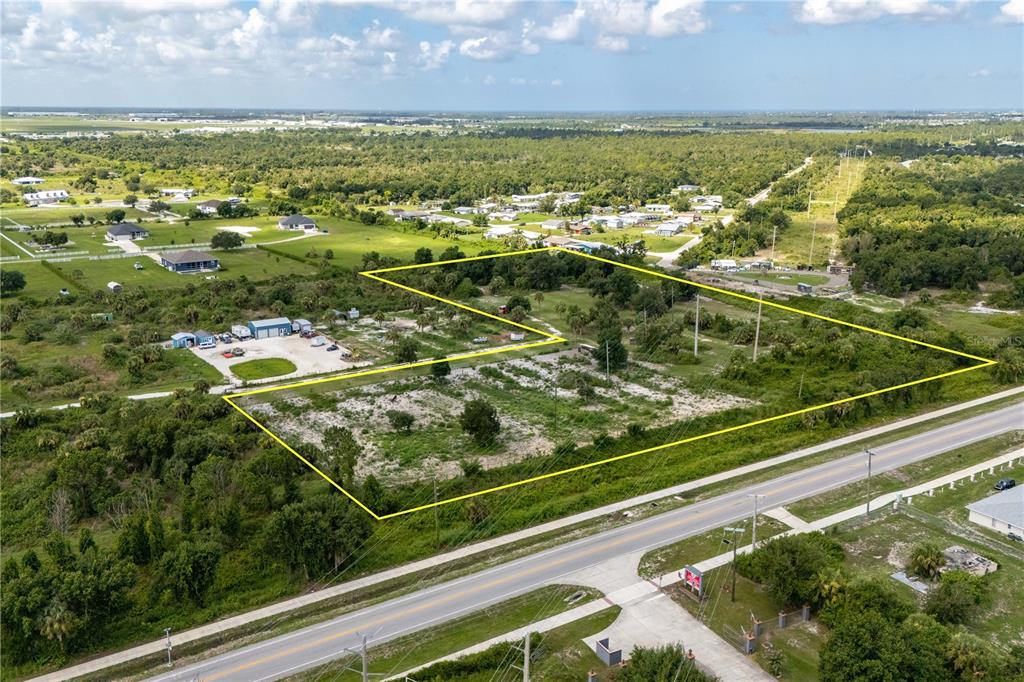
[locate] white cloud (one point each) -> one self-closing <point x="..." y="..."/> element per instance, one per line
<point x="980" y="73"/>
<point x="1012" y="11"/>
<point x="671" y="17"/>
<point x="564" y="27"/>
<point x="612" y="43"/>
<point x="834" y="12"/>
<point x="434" y="55"/>
<point x="484" y="49"/>
<point x="489" y="80"/>
<point x="467" y="12"/>
<point x="556" y="83"/>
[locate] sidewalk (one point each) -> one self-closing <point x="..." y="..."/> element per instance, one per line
<point x="283" y="607"/>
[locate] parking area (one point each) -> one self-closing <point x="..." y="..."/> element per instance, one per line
<point x="307" y="359"/>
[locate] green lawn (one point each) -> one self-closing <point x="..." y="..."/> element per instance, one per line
<point x="263" y="368"/>
<point x="790" y="279"/>
<point x="705" y="546"/>
<point x="349" y="241"/>
<point x="62" y="215"/>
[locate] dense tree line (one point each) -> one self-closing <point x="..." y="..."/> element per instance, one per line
<point x="943" y="222"/>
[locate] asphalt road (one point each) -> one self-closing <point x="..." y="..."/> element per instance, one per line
<point x="318" y="644"/>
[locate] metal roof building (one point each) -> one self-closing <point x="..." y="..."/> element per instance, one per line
<point x="275" y="326"/>
<point x="1003" y="512"/>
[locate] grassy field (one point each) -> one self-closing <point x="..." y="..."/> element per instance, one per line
<point x="705" y="546"/>
<point x="348" y="241"/>
<point x="813" y="236"/>
<point x="790" y="279"/>
<point x="262" y="369"/>
<point x="9" y="217"/>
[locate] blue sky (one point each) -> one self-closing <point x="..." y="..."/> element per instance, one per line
<point x="461" y="55"/>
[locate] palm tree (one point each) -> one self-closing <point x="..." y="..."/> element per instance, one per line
<point x="830" y="585"/>
<point x="58" y="623"/>
<point x="925" y="561"/>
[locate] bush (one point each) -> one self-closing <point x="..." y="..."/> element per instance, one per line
<point x="955" y="600"/>
<point x="788" y="566"/>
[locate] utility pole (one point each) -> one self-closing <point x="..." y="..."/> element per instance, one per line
<point x="734" y="531"/>
<point x="167" y="634"/>
<point x="814" y="232"/>
<point x="757" y="328"/>
<point x="775" y="231"/>
<point x="364" y="669"/>
<point x="437" y="521"/>
<point x="366" y="662"/>
<point x="867" y="508"/>
<point x="607" y="357"/>
<point x="696" y="326"/>
<point x="753" y="534"/>
<point x="526" y="658"/>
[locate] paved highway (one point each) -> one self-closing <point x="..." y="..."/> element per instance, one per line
<point x="318" y="644"/>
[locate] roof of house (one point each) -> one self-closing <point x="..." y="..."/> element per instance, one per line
<point x="302" y="323"/>
<point x="297" y="219"/>
<point x="212" y="203"/>
<point x="183" y="335"/>
<point x="126" y="229"/>
<point x="200" y="334"/>
<point x="1007" y="506"/>
<point x="271" y="322"/>
<point x="188" y="256"/>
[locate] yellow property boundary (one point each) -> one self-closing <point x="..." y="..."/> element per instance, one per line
<point x="554" y="339"/>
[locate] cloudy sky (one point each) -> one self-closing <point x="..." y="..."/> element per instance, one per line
<point x="619" y="55"/>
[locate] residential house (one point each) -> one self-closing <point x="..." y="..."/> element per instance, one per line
<point x="50" y="196"/>
<point x="27" y="180"/>
<point x="205" y="339"/>
<point x="126" y="232"/>
<point x="613" y="222"/>
<point x="658" y="208"/>
<point x="1002" y="512"/>
<point x="464" y="210"/>
<point x="180" y="193"/>
<point x="685" y="189"/>
<point x="296" y="222"/>
<point x="668" y="229"/>
<point x="271" y="327"/>
<point x="554" y="224"/>
<point x="209" y="207"/>
<point x="188" y="261"/>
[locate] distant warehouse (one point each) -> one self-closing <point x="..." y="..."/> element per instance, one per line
<point x="188" y="261"/>
<point x="275" y="326"/>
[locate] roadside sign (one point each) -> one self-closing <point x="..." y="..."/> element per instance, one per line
<point x="692" y="578"/>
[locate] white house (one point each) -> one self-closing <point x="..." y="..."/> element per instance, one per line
<point x="608" y="221"/>
<point x="507" y="216"/>
<point x="178" y="192"/>
<point x="50" y="196"/>
<point x="554" y="224"/>
<point x="500" y="232"/>
<point x="464" y="210"/>
<point x="658" y="208"/>
<point x="209" y="207"/>
<point x="27" y="180"/>
<point x="1002" y="512"/>
<point x="296" y="222"/>
<point x="530" y="197"/>
<point x="687" y="188"/>
<point x="668" y="229"/>
<point x="126" y="232"/>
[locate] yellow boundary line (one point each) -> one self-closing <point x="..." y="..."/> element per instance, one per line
<point x="554" y="339"/>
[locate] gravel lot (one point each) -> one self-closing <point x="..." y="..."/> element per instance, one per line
<point x="307" y="359"/>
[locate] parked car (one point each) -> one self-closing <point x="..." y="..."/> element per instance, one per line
<point x="207" y="344"/>
<point x="138" y="266"/>
<point x="238" y="352"/>
<point x="480" y="339"/>
<point x="228" y="354"/>
<point x="1014" y="537"/>
<point x="1005" y="483"/>
<point x="333" y="346"/>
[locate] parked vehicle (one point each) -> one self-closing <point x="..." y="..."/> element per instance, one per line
<point x="1005" y="483"/>
<point x="138" y="266"/>
<point x="207" y="344"/>
<point x="333" y="346"/>
<point x="1014" y="537"/>
<point x="228" y="354"/>
<point x="238" y="352"/>
<point x="480" y="339"/>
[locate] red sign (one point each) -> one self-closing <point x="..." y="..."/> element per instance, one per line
<point x="692" y="578"/>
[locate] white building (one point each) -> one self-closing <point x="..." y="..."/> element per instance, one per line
<point x="658" y="208"/>
<point x="723" y="264"/>
<point x="608" y="221"/>
<point x="50" y="196"/>
<point x="1002" y="512"/>
<point x="668" y="229"/>
<point x="687" y="188"/>
<point x="209" y="207"/>
<point x="27" y="180"/>
<point x="178" y="192"/>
